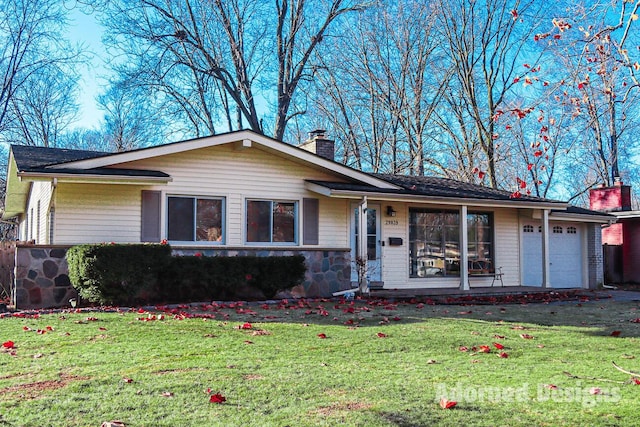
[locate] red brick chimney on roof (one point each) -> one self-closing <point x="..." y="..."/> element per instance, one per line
<point x="611" y="199"/>
<point x="319" y="144"/>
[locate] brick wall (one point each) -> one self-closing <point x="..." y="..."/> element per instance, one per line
<point x="595" y="256"/>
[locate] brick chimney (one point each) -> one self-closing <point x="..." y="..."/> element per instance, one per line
<point x="611" y="199"/>
<point x="319" y="144"/>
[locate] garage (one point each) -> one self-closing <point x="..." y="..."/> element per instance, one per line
<point x="565" y="251"/>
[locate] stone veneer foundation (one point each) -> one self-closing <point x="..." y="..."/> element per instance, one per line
<point x="42" y="281"/>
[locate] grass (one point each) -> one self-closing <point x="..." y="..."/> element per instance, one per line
<point x="381" y="364"/>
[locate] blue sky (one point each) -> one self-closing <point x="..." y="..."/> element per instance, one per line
<point x="85" y="29"/>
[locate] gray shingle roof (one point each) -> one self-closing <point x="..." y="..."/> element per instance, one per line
<point x="41" y="159"/>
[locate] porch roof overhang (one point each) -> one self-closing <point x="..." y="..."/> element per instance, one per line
<point x="355" y="191"/>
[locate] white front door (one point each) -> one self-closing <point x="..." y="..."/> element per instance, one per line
<point x="373" y="250"/>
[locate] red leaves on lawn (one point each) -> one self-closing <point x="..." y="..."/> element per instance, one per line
<point x="246" y="325"/>
<point x="595" y="390"/>
<point x="503" y="355"/>
<point x="127" y="380"/>
<point x="382" y="335"/>
<point x="498" y="346"/>
<point x="526" y="336"/>
<point x="463" y="348"/>
<point x="484" y="349"/>
<point x="447" y="404"/>
<point x="635" y="380"/>
<point x="551" y="386"/>
<point x="9" y="345"/>
<point x="616" y="333"/>
<point x="322" y="335"/>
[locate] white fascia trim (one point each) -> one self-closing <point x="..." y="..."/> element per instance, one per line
<point x="409" y="198"/>
<point x="565" y="216"/>
<point x="242" y="137"/>
<point x="105" y="179"/>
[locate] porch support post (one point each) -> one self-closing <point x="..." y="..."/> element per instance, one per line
<point x="546" y="277"/>
<point x="361" y="244"/>
<point x="464" y="247"/>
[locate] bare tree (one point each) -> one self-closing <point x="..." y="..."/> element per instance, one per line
<point x="129" y="123"/>
<point x="219" y="62"/>
<point x="377" y="87"/>
<point x="35" y="74"/>
<point x="597" y="45"/>
<point x="485" y="42"/>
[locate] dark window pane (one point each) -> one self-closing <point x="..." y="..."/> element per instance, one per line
<point x="258" y="221"/>
<point x="284" y="222"/>
<point x="180" y="218"/>
<point x="209" y="220"/>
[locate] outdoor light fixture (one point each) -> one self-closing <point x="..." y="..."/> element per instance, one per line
<point x="391" y="211"/>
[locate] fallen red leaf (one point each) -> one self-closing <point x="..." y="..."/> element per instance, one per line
<point x="503" y="355"/>
<point x="322" y="335"/>
<point x="635" y="380"/>
<point x="498" y="345"/>
<point x="382" y="335"/>
<point x="526" y="336"/>
<point x="447" y="404"/>
<point x="595" y="390"/>
<point x="463" y="348"/>
<point x="246" y="326"/>
<point x="484" y="349"/>
<point x="552" y="386"/>
<point x="616" y="333"/>
<point x="217" y="398"/>
<point x="127" y="380"/>
<point x="8" y="344"/>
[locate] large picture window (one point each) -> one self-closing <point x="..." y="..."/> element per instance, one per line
<point x="434" y="243"/>
<point x="193" y="219"/>
<point x="271" y="221"/>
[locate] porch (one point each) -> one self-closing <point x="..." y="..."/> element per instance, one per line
<point x="442" y="294"/>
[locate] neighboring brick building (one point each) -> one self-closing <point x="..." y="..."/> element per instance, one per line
<point x="621" y="240"/>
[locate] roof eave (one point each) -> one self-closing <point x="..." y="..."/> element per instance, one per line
<point x="515" y="203"/>
<point x="93" y="178"/>
<point x="247" y="138"/>
<point x="569" y="216"/>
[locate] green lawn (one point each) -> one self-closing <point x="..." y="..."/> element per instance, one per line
<point x="324" y="363"/>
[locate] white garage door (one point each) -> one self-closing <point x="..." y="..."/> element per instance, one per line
<point x="565" y="251"/>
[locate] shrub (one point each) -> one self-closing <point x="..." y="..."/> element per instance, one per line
<point x="116" y="274"/>
<point x="146" y="273"/>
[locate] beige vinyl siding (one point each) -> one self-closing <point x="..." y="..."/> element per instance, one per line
<point x="38" y="212"/>
<point x="395" y="259"/>
<point x="91" y="213"/>
<point x="96" y="213"/>
<point x="238" y="175"/>
<point x="507" y="253"/>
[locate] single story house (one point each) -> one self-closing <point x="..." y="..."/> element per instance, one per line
<point x="242" y="193"/>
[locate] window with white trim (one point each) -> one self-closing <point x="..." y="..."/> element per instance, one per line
<point x="195" y="219"/>
<point x="272" y="221"/>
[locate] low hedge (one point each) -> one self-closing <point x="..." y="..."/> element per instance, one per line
<point x="116" y="274"/>
<point x="144" y="273"/>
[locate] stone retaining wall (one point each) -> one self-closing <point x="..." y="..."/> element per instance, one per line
<point x="41" y="278"/>
<point x="42" y="281"/>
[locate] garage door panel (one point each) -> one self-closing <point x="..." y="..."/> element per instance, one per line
<point x="565" y="251"/>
